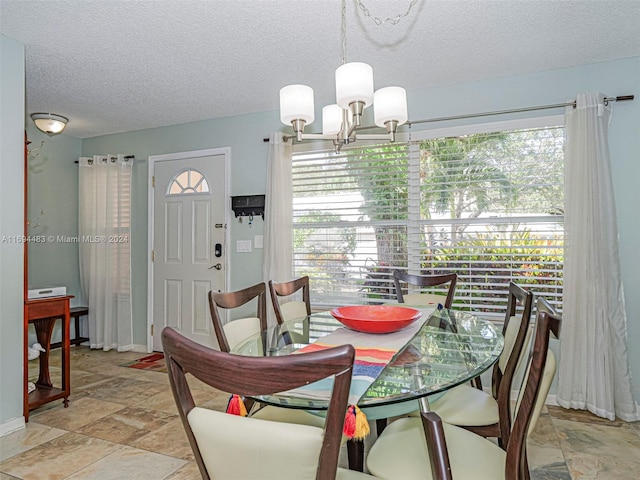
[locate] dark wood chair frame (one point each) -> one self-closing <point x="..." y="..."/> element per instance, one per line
<point x="249" y="376"/>
<point x="284" y="289"/>
<point x="425" y="281"/>
<point x="501" y="382"/>
<point x="229" y="300"/>
<point x="516" y="467"/>
<point x="542" y="305"/>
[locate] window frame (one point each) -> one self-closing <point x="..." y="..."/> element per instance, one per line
<point x="414" y="137"/>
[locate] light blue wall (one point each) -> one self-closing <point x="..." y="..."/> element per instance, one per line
<point x="11" y="225"/>
<point x="248" y="176"/>
<point x="53" y="189"/>
<point x="52" y="183"/>
<point x="244" y="136"/>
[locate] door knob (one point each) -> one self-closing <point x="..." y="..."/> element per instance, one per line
<point x="217" y="266"/>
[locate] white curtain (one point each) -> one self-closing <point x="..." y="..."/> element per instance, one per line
<point x="594" y="371"/>
<point x="104" y="226"/>
<point x="278" y="233"/>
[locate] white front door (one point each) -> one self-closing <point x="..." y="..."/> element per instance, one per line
<point x="188" y="241"/>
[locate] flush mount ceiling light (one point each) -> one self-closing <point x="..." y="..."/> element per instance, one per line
<point x="49" y="123"/>
<point x="354" y="92"/>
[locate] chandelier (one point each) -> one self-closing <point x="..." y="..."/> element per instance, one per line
<point x="354" y="93"/>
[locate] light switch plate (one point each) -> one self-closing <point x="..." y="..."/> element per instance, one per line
<point x="258" y="241"/>
<point x="243" y="246"/>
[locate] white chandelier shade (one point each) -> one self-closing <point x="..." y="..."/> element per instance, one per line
<point x="354" y="92"/>
<point x="390" y="105"/>
<point x="354" y="83"/>
<point x="331" y="119"/>
<point x="296" y="103"/>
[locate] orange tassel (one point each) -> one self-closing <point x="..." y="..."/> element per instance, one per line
<point x="349" y="428"/>
<point x="236" y="406"/>
<point x="362" y="424"/>
<point x="356" y="425"/>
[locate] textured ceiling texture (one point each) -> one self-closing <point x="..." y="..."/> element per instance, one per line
<point x="121" y="65"/>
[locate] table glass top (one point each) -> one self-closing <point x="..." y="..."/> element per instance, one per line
<point x="450" y="348"/>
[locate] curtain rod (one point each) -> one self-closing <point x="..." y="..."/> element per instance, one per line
<point x="619" y="98"/>
<point x="128" y="157"/>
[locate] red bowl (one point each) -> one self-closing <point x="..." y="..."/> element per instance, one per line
<point x="376" y="318"/>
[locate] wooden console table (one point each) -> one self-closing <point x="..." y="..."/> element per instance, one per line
<point x="43" y="313"/>
<point x="75" y="313"/>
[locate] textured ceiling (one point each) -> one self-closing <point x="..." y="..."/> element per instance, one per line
<point x="120" y="65"/>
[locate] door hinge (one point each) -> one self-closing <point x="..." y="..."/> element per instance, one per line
<point x="152" y="330"/>
<point x="153" y="255"/>
<point x="153" y="180"/>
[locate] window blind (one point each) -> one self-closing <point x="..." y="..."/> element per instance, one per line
<point x="488" y="207"/>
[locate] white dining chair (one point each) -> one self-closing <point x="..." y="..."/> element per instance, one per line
<point x="427" y="448"/>
<point x="293" y="307"/>
<point x="234" y="331"/>
<point x="477" y="410"/>
<point x="421" y="282"/>
<point x="230" y="447"/>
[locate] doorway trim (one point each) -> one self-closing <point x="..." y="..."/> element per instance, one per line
<point x="226" y="151"/>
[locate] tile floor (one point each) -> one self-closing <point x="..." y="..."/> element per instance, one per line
<point x="122" y="424"/>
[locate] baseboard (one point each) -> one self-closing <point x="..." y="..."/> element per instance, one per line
<point x="139" y="348"/>
<point x="133" y="348"/>
<point x="551" y="400"/>
<point x="12" y="426"/>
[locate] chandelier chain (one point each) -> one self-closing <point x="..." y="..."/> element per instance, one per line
<point x="344" y="32"/>
<point x="392" y="20"/>
<point x="354" y="92"/>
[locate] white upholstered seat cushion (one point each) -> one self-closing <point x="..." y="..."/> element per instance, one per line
<point x="293" y="415"/>
<point x="465" y="405"/>
<point x="346" y="474"/>
<point x="246" y="448"/>
<point x="294" y="309"/>
<point x="545" y="385"/>
<point x="424" y="299"/>
<point x="401" y="454"/>
<point x="289" y="415"/>
<point x="510" y="336"/>
<point x="401" y="450"/>
<point x="238" y="330"/>
<point x="235" y="447"/>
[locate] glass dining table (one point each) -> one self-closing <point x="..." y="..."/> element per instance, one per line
<point x="451" y="347"/>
